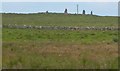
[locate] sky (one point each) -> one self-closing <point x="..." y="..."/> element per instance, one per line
<point x="98" y="8"/>
<point x="59" y="0"/>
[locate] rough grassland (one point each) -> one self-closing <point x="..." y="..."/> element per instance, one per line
<point x="33" y="48"/>
<point x="59" y="20"/>
<point x="59" y="55"/>
<point x="25" y="48"/>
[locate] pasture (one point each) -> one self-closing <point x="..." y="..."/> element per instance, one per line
<point x="60" y="49"/>
<point x="53" y="19"/>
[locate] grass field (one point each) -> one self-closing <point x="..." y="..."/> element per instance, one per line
<point x="33" y="48"/>
<point x="59" y="20"/>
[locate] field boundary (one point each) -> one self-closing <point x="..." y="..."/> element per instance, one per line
<point x="58" y="27"/>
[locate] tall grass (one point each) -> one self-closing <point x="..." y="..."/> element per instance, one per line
<point x="25" y="48"/>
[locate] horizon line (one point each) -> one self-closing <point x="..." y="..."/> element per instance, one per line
<point x="54" y="13"/>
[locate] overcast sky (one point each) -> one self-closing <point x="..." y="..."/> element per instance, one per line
<point x="102" y="7"/>
<point x="59" y="0"/>
<point x="98" y="8"/>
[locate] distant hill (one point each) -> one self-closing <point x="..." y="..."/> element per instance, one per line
<point x="58" y="19"/>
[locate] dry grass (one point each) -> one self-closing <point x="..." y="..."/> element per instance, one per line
<point x="64" y="55"/>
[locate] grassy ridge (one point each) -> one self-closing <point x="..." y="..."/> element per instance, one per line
<point x="58" y="20"/>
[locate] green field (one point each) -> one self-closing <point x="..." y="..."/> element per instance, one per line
<point x="72" y="49"/>
<point x="59" y="20"/>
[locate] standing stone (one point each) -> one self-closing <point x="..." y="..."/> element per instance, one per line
<point x="83" y="12"/>
<point x="91" y="13"/>
<point x="65" y="12"/>
<point x="46" y="12"/>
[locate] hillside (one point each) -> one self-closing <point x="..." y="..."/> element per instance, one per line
<point x="59" y="49"/>
<point x="53" y="19"/>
